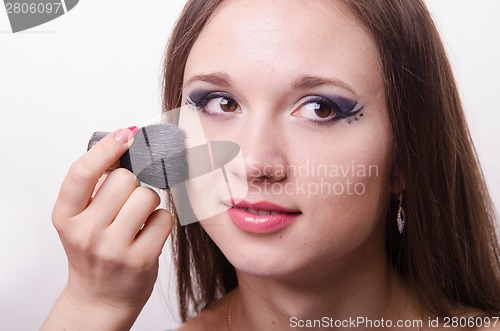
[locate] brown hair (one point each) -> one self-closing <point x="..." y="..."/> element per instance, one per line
<point x="449" y="253"/>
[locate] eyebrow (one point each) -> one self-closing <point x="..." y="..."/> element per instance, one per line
<point x="302" y="83"/>
<point x="217" y="78"/>
<point x="309" y="82"/>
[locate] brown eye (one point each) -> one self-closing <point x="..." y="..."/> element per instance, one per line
<point x="220" y="105"/>
<point x="227" y="105"/>
<point x="317" y="110"/>
<point x="321" y="110"/>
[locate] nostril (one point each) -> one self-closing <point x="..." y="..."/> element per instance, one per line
<point x="266" y="163"/>
<point x="267" y="175"/>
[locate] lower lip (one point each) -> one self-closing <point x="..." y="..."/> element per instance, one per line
<point x="249" y="222"/>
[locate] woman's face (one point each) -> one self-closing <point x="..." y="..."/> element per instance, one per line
<point x="297" y="85"/>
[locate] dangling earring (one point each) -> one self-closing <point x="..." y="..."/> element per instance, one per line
<point x="401" y="218"/>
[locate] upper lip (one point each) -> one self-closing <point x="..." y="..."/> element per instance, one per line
<point x="265" y="205"/>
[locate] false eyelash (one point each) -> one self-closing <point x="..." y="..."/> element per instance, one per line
<point x="201" y="98"/>
<point x="342" y="108"/>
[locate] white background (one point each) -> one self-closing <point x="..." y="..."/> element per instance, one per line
<point x="98" y="68"/>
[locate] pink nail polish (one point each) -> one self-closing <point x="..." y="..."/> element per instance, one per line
<point x="134" y="130"/>
<point x="125" y="135"/>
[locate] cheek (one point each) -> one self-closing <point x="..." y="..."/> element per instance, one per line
<point x="346" y="183"/>
<point x="348" y="206"/>
<point x="342" y="190"/>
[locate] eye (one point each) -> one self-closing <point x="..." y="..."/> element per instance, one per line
<point x="213" y="103"/>
<point x="221" y="104"/>
<point x="322" y="110"/>
<point x="317" y="109"/>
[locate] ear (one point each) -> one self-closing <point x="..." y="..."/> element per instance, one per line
<point x="398" y="182"/>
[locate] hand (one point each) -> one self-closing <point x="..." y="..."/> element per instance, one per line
<point x="112" y="235"/>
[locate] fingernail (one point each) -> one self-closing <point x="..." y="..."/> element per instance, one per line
<point x="125" y="135"/>
<point x="134" y="129"/>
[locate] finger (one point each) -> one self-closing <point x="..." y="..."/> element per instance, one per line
<point x="134" y="213"/>
<point x="101" y="180"/>
<point x="155" y="232"/>
<point x="111" y="197"/>
<point x="82" y="177"/>
<point x="114" y="166"/>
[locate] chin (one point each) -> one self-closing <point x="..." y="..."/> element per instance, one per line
<point x="266" y="268"/>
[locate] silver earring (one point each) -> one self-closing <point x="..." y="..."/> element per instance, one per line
<point x="401" y="218"/>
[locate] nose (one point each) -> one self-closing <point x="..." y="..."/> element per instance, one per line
<point x="264" y="147"/>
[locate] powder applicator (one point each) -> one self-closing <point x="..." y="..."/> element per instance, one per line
<point x="158" y="155"/>
<point x="159" y="158"/>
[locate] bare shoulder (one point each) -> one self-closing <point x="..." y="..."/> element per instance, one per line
<point x="469" y="319"/>
<point x="487" y="323"/>
<point x="492" y="327"/>
<point x="484" y="323"/>
<point x="489" y="328"/>
<point x="213" y="318"/>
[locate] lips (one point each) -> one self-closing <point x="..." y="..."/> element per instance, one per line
<point x="260" y="211"/>
<point x="261" y="217"/>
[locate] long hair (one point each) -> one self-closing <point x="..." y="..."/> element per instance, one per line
<point x="449" y="254"/>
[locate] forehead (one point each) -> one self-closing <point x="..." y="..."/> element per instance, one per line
<point x="317" y="37"/>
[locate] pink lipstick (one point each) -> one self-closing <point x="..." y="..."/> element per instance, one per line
<point x="261" y="217"/>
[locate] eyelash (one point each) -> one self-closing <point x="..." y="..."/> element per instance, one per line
<point x="346" y="109"/>
<point x="201" y="103"/>
<point x="341" y="108"/>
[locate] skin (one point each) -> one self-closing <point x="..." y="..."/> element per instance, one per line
<point x="332" y="257"/>
<point x="329" y="262"/>
<point x="112" y="262"/>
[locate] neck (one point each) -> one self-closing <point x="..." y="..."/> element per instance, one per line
<point x="355" y="287"/>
